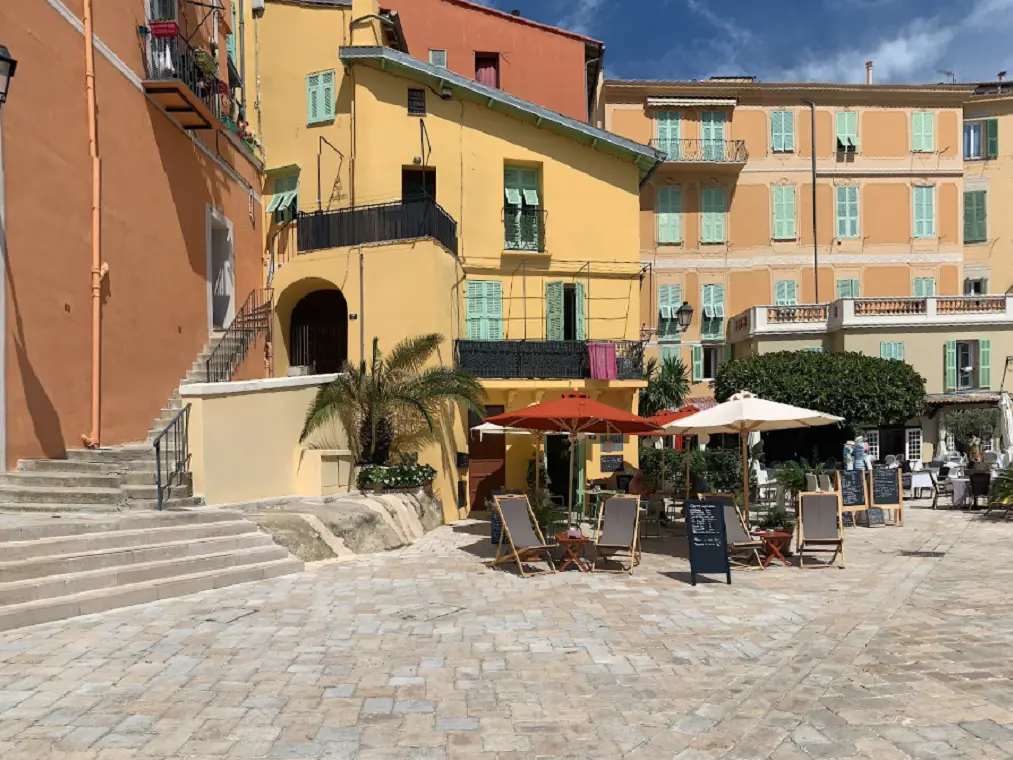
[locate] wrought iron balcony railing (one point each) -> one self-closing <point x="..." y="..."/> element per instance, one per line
<point x="173" y="59"/>
<point x="702" y="151"/>
<point x="380" y="223"/>
<point x="523" y="228"/>
<point x="544" y="359"/>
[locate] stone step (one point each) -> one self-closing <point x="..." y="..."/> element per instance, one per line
<point x="147" y="478"/>
<point x="63" y="509"/>
<point x="76" y="525"/>
<point x="88" y="561"/>
<point x="122" y="539"/>
<point x="18" y="494"/>
<point x="36" y="589"/>
<point x="135" y="493"/>
<point x="60" y="479"/>
<point x="173" y="502"/>
<point x="101" y="600"/>
<point x="132" y="453"/>
<point x="70" y="465"/>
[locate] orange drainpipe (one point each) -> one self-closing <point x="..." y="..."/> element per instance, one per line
<point x="98" y="269"/>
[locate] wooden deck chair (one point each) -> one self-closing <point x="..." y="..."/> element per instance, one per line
<point x="736" y="532"/>
<point x="521" y="536"/>
<point x="618" y="531"/>
<point x="819" y="525"/>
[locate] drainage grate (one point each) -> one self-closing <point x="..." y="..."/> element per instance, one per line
<point x="934" y="555"/>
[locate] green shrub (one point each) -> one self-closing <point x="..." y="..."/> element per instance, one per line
<point x="721" y="468"/>
<point x="865" y="390"/>
<point x="398" y="476"/>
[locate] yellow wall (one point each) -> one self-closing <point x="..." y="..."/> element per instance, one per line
<point x="244" y="441"/>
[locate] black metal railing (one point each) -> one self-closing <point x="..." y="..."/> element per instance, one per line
<point x="175" y="59"/>
<point x="523" y="229"/>
<point x="702" y="151"/>
<point x="253" y="320"/>
<point x="379" y="223"/>
<point x="544" y="359"/>
<point x="172" y="454"/>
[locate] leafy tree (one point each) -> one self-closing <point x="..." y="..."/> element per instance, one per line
<point x="396" y="402"/>
<point x="667" y="386"/>
<point x="865" y="390"/>
<point x="965" y="424"/>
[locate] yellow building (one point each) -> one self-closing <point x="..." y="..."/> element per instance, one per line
<point x="988" y="186"/>
<point x="448" y="206"/>
<point x="727" y="222"/>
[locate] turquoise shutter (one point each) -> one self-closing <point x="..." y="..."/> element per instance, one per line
<point x="512" y="213"/>
<point x="898" y="350"/>
<point x="780" y="293"/>
<point x="925" y="287"/>
<point x="951" y="365"/>
<point x="885" y="349"/>
<point x="718" y="300"/>
<point x="788" y="125"/>
<point x="792" y="292"/>
<point x="922" y="127"/>
<point x="985" y="364"/>
<point x="713" y="206"/>
<point x="924" y="211"/>
<point x="668" y="133"/>
<point x="669" y="301"/>
<point x="847" y="288"/>
<point x="782" y="131"/>
<point x="312" y="98"/>
<point x="975" y="220"/>
<point x="554" y="310"/>
<point x="784" y="213"/>
<point x="713" y="130"/>
<point x="991" y="138"/>
<point x="697" y="363"/>
<point x="327" y="95"/>
<point x="230" y="39"/>
<point x="493" y="310"/>
<point x="670" y="352"/>
<point x="669" y="214"/>
<point x="847" y="212"/>
<point x="475" y="309"/>
<point x="580" y="296"/>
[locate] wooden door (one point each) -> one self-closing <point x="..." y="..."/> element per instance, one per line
<point x="487" y="465"/>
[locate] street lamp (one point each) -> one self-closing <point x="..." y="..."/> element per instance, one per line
<point x="7" y="67"/>
<point x="685" y="315"/>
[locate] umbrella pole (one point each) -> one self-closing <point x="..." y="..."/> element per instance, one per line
<point x="538" y="464"/>
<point x="662" y="464"/>
<point x="686" y="455"/>
<point x="745" y="478"/>
<point x="572" y="446"/>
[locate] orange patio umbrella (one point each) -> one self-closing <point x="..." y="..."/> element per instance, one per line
<point x="573" y="414"/>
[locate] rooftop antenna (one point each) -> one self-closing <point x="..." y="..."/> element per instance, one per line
<point x="952" y="77"/>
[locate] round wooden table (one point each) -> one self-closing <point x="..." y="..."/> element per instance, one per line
<point x="573" y="551"/>
<point x="773" y="540"/>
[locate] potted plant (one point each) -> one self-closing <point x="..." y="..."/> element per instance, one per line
<point x="778" y="519"/>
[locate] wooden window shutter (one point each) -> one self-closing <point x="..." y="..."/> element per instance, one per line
<point x="475" y="309"/>
<point x="991" y="138"/>
<point x="494" y="310"/>
<point x="985" y="364"/>
<point x="951" y="365"/>
<point x="554" y="310"/>
<point x="697" y="364"/>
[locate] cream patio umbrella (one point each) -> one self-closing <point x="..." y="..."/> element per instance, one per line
<point x="744" y="413"/>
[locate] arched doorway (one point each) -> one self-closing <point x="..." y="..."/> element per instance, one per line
<point x="318" y="332"/>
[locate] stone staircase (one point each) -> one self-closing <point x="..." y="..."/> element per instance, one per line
<point x="197" y="373"/>
<point x="51" y="569"/>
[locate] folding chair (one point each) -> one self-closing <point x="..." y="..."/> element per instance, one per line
<point x="819" y="526"/>
<point x="618" y="531"/>
<point x="739" y="540"/>
<point x="520" y="534"/>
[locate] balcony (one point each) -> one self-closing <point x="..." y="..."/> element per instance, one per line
<point x="846" y="313"/>
<point x="702" y="151"/>
<point x="183" y="80"/>
<point x="544" y="359"/>
<point x="379" y="223"/>
<point x="523" y="229"/>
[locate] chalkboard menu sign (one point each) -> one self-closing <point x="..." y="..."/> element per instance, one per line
<point x="886" y="493"/>
<point x="708" y="543"/>
<point x="495" y="527"/>
<point x="611" y="462"/>
<point x="852" y="485"/>
<point x="875" y="517"/>
<point x="623" y="483"/>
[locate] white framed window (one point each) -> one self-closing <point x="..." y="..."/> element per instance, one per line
<point x="872" y="438"/>
<point x="438" y="58"/>
<point x="913" y="444"/>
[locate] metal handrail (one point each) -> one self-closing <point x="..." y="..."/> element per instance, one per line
<point x="252" y="320"/>
<point x="175" y="439"/>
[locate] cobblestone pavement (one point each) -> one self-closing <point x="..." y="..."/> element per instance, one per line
<point x="425" y="653"/>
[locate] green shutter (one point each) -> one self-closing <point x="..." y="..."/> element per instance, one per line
<point x="786" y="293"/>
<point x="847" y="127"/>
<point x="891" y="350"/>
<point x="847" y="288"/>
<point x="847" y="212"/>
<point x="668" y="133"/>
<point x="991" y="138"/>
<point x="670" y="352"/>
<point x="975" y="219"/>
<point x="782" y="131"/>
<point x="494" y="310"/>
<point x="581" y="310"/>
<point x="485" y="310"/>
<point x="669" y="301"/>
<point x="554" y="310"/>
<point x="712" y="322"/>
<point x="951" y="365"/>
<point x="925" y="287"/>
<point x="312" y="99"/>
<point x="669" y="214"/>
<point x="885" y="348"/>
<point x="922" y="129"/>
<point x="327" y="95"/>
<point x="925" y="211"/>
<point x="985" y="364"/>
<point x="475" y="309"/>
<point x="784" y="212"/>
<point x="898" y="350"/>
<point x="728" y="354"/>
<point x="230" y="39"/>
<point x="712" y="125"/>
<point x="697" y="364"/>
<point x="713" y="206"/>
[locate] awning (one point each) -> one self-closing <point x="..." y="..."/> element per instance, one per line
<point x="692" y="102"/>
<point x="282" y="200"/>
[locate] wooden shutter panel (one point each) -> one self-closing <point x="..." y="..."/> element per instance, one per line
<point x="985" y="364"/>
<point x="697" y="363"/>
<point x="970" y="215"/>
<point x="475" y="308"/>
<point x="327" y="95"/>
<point x="951" y="365"/>
<point x="981" y="217"/>
<point x="580" y="297"/>
<point x="554" y="310"/>
<point x="898" y="350"/>
<point x="792" y="292"/>
<point x="312" y="98"/>
<point x="884" y="349"/>
<point x="781" y="292"/>
<point x="494" y="310"/>
<point x="991" y="138"/>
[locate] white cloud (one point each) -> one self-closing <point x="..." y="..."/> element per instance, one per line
<point x="581" y="16"/>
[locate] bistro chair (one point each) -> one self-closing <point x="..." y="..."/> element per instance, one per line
<point x="825" y="484"/>
<point x="811" y="482"/>
<point x="981" y="483"/>
<point x="618" y="532"/>
<point x="650" y="521"/>
<point x="819" y="526"/>
<point x="520" y="536"/>
<point x="940" y="487"/>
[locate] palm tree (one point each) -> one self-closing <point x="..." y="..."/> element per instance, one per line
<point x="667" y="387"/>
<point x="398" y="402"/>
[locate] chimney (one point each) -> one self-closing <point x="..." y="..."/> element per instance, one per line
<point x="515" y="12"/>
<point x="868" y="72"/>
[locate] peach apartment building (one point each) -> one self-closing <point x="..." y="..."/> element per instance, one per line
<point x="727" y="222"/>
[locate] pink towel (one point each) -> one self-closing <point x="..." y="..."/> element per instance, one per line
<point x="603" y="361"/>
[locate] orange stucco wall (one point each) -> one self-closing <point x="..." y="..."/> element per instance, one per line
<point x="156" y="187"/>
<point x="536" y="63"/>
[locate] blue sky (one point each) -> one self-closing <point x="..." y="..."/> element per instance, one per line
<point x="814" y="40"/>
